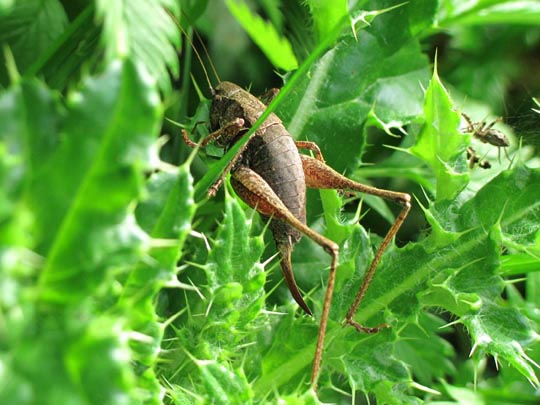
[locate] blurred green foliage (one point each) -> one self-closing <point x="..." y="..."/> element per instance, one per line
<point x="122" y="283"/>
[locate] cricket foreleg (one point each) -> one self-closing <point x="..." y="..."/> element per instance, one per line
<point x="269" y="95"/>
<point x="319" y="175"/>
<point x="226" y="133"/>
<point x="223" y="136"/>
<point x="217" y="184"/>
<point x="254" y="190"/>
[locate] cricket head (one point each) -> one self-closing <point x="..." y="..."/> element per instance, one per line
<point x="226" y="113"/>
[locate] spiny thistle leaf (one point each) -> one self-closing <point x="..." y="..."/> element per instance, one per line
<point x="87" y="208"/>
<point x="222" y="320"/>
<point x="440" y="143"/>
<point x="143" y="30"/>
<point x="81" y="172"/>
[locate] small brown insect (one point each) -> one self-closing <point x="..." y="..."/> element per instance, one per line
<point x="487" y="134"/>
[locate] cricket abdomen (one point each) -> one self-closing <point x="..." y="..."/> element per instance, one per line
<point x="274" y="156"/>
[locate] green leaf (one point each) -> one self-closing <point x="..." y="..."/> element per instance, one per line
<point x="166" y="215"/>
<point x="288" y="348"/>
<point x="505" y="211"/>
<point x="6" y="5"/>
<point x="221" y="382"/>
<point x="29" y="29"/>
<point x="422" y="15"/>
<point x="276" y="48"/>
<point x="489" y="12"/>
<point x="222" y="312"/>
<point x="458" y="274"/>
<point x="516" y="264"/>
<point x="511" y="214"/>
<point x="81" y="197"/>
<point x="62" y="62"/>
<point x="97" y="362"/>
<point x="72" y="173"/>
<point x="373" y="364"/>
<point x="383" y="67"/>
<point x="440" y="143"/>
<point x="144" y="31"/>
<point x="327" y="15"/>
<point x="435" y="349"/>
<point x="235" y="259"/>
<point x="28" y="125"/>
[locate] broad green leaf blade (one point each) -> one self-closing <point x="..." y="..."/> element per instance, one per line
<point x="276" y="48"/>
<point x="84" y="191"/>
<point x="523" y="263"/>
<point x="510" y="203"/>
<point x="383" y="67"/>
<point x="71" y="56"/>
<point x="220" y="382"/>
<point x="98" y="363"/>
<point x="374" y="367"/>
<point x="435" y="349"/>
<point x="506" y="210"/>
<point x="462" y="271"/>
<point x="440" y="143"/>
<point x="144" y="31"/>
<point x="18" y="263"/>
<point x="29" y="122"/>
<point x="422" y="15"/>
<point x="288" y="348"/>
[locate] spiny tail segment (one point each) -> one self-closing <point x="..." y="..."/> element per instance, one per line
<point x="285" y="250"/>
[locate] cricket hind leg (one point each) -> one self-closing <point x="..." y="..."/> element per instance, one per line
<point x="319" y="175"/>
<point x="256" y="192"/>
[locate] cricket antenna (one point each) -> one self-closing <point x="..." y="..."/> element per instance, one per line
<point x="212" y="66"/>
<point x="197" y="54"/>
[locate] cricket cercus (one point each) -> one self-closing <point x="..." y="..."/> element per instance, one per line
<point x="271" y="176"/>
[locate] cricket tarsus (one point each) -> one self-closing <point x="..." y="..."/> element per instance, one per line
<point x="271" y="176"/>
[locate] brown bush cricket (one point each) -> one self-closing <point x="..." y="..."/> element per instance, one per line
<point x="271" y="176"/>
